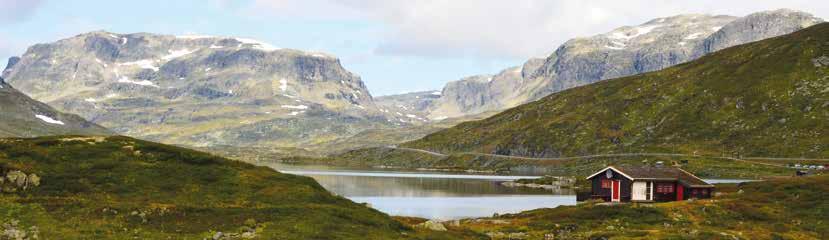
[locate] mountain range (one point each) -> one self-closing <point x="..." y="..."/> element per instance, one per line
<point x="197" y="90"/>
<point x="625" y="51"/>
<point x="208" y="91"/>
<point x="763" y="99"/>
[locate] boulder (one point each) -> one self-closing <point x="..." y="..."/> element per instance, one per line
<point x="33" y="180"/>
<point x="433" y="225"/>
<point x="17" y="178"/>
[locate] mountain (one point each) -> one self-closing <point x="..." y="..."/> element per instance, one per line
<point x="124" y="188"/>
<point x="24" y="117"/>
<point x="625" y="51"/>
<point x="766" y="99"/>
<point x="198" y="90"/>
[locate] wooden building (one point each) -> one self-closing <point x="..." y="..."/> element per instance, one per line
<point x="647" y="184"/>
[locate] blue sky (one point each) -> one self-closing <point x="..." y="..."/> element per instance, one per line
<point x="396" y="46"/>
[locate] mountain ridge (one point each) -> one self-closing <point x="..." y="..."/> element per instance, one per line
<point x="624" y="51"/>
<point x="22" y="116"/>
<point x="714" y="105"/>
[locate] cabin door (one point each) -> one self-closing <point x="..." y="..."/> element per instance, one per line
<point x="615" y="196"/>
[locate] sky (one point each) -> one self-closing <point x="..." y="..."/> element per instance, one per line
<point x="395" y="46"/>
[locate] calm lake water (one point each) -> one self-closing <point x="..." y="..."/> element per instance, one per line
<point x="437" y="195"/>
<point x="432" y="195"/>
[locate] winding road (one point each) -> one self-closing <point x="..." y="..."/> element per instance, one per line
<point x="745" y="159"/>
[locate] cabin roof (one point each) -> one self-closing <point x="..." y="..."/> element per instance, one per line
<point x="657" y="173"/>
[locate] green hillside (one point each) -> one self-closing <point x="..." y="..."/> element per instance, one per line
<point x="768" y="98"/>
<point x="124" y="188"/>
<point x="786" y="208"/>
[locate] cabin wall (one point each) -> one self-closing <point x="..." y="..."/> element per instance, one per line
<point x="625" y="187"/>
<point x="664" y="197"/>
<point x="698" y="193"/>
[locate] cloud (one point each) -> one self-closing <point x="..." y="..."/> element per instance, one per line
<point x="12" y="11"/>
<point x="503" y="28"/>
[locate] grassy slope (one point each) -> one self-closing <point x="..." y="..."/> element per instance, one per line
<point x="788" y="208"/>
<point x="91" y="187"/>
<point x="701" y="166"/>
<point x="760" y="99"/>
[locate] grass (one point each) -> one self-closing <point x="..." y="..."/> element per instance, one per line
<point x="762" y="99"/>
<point x="706" y="167"/>
<point x="785" y="208"/>
<point x="119" y="187"/>
<point x="765" y="98"/>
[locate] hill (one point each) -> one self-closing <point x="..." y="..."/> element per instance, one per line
<point x="787" y="208"/>
<point x="124" y="188"/>
<point x="23" y="116"/>
<point x="624" y="51"/>
<point x="768" y="98"/>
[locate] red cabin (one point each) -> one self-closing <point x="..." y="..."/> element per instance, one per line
<point x="647" y="184"/>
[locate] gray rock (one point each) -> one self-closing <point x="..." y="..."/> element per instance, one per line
<point x="433" y="225"/>
<point x="33" y="180"/>
<point x="198" y="91"/>
<point x="16" y="178"/>
<point x="625" y="51"/>
<point x="822" y="61"/>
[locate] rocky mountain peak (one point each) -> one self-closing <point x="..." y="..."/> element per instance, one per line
<point x="197" y="90"/>
<point x="624" y="51"/>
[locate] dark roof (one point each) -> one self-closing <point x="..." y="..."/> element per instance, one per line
<point x="661" y="173"/>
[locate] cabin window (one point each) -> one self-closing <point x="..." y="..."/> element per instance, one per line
<point x="606" y="183"/>
<point x="665" y="188"/>
<point x="695" y="192"/>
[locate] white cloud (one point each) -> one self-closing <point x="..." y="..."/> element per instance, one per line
<point x="12" y="11"/>
<point x="503" y="28"/>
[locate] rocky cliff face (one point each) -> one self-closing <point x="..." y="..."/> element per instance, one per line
<point x="21" y="116"/>
<point x="625" y="51"/>
<point x="197" y="90"/>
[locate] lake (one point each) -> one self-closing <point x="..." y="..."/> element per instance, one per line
<point x="432" y="195"/>
<point x="437" y="195"/>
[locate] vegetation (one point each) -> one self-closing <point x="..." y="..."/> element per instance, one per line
<point x="119" y="188"/>
<point x="768" y="98"/>
<point x="707" y="167"/>
<point x="786" y="208"/>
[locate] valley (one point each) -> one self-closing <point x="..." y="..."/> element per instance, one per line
<point x="722" y="119"/>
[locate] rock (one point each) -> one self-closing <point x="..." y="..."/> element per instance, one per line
<point x="625" y="51"/>
<point x="33" y="180"/>
<point x="433" y="225"/>
<point x="248" y="235"/>
<point x="518" y="235"/>
<point x="132" y="87"/>
<point x="822" y="61"/>
<point x="17" y="178"/>
<point x="217" y="235"/>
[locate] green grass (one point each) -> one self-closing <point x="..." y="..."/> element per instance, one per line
<point x="787" y="208"/>
<point x="759" y="99"/>
<point x="91" y="188"/>
<point x="706" y="167"/>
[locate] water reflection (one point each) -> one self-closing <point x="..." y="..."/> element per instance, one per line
<point x="433" y="195"/>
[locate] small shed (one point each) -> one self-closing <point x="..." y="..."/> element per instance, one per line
<point x="647" y="184"/>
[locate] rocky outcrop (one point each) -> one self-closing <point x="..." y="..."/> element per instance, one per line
<point x="625" y="51"/>
<point x="658" y="44"/>
<point x="432" y="225"/>
<point x="12" y="230"/>
<point x="198" y="90"/>
<point x="15" y="180"/>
